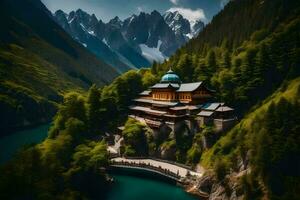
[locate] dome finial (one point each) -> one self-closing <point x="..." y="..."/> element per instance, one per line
<point x="170" y="77"/>
<point x="170" y="70"/>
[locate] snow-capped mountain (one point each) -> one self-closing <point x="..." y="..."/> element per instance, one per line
<point x="182" y="26"/>
<point x="133" y="43"/>
<point x="178" y="24"/>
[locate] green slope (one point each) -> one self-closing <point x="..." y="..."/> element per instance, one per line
<point x="240" y="19"/>
<point x="38" y="63"/>
<point x="269" y="135"/>
<point x="244" y="58"/>
<point x="250" y="53"/>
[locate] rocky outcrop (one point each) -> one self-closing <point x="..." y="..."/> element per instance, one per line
<point x="168" y="151"/>
<point x="227" y="189"/>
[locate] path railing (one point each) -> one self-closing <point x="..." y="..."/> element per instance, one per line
<point x="161" y="160"/>
<point x="148" y="166"/>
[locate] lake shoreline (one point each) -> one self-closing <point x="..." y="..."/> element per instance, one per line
<point x="12" y="131"/>
<point x="187" y="186"/>
<point x="163" y="187"/>
<point x="11" y="143"/>
<point x="146" y="176"/>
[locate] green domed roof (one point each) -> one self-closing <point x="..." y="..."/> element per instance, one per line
<point x="170" y="77"/>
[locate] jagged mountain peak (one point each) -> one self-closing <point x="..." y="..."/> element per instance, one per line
<point x="116" y="19"/>
<point x="61" y="15"/>
<point x="183" y="26"/>
<point x="116" y="22"/>
<point x="81" y="15"/>
<point x="93" y="18"/>
<point x="177" y="23"/>
<point x="155" y="13"/>
<point x="136" y="41"/>
<point x="60" y="12"/>
<point x="142" y="14"/>
<point x="156" y="16"/>
<point x="197" y="27"/>
<point x="172" y="15"/>
<point x="81" y="12"/>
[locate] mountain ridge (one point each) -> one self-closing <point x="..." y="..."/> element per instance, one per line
<point x="135" y="42"/>
<point x="39" y="64"/>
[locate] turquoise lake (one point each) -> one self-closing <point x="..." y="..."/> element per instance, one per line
<point x="11" y="143"/>
<point x="126" y="186"/>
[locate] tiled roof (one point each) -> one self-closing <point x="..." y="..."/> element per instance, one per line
<point x="206" y="113"/>
<point x="165" y="103"/>
<point x="224" y="109"/>
<point x="165" y="85"/>
<point x="189" y="87"/>
<point x="174" y="116"/>
<point x="150" y="101"/>
<point x="145" y="93"/>
<point x="146" y="109"/>
<point x="184" y="87"/>
<point x="211" y="106"/>
<point x="194" y="107"/>
<point x="143" y="100"/>
<point x="179" y="108"/>
<point x="191" y="107"/>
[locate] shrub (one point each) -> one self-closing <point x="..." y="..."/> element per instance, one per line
<point x="220" y="169"/>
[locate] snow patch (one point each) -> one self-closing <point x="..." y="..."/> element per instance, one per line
<point x="83" y="27"/>
<point x="153" y="54"/>
<point x="132" y="18"/>
<point x="92" y="33"/>
<point x="191" y="15"/>
<point x="189" y="35"/>
<point x="71" y="20"/>
<point x="105" y="42"/>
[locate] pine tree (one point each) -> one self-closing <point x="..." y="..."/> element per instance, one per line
<point x="201" y="71"/>
<point x="185" y="68"/>
<point x="261" y="66"/>
<point x="93" y="109"/>
<point x="226" y="60"/>
<point x="211" y="63"/>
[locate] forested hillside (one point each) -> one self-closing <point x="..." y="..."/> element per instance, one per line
<point x="244" y="58"/>
<point x="39" y="62"/>
<point x="250" y="54"/>
<point x="267" y="143"/>
<point x="240" y="19"/>
<point x="67" y="164"/>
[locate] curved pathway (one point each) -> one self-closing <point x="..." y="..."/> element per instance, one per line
<point x="175" y="169"/>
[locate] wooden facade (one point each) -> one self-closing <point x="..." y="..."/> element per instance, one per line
<point x="173" y="102"/>
<point x="199" y="95"/>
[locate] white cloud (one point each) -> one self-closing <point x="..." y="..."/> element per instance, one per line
<point x="189" y="14"/>
<point x="175" y="2"/>
<point x="140" y="9"/>
<point x="223" y="3"/>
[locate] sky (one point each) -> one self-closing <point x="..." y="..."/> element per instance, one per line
<point x="108" y="9"/>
